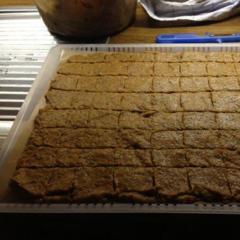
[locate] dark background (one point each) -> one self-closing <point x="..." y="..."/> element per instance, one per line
<point x="136" y="226"/>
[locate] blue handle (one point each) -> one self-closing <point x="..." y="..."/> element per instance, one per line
<point x="193" y="38"/>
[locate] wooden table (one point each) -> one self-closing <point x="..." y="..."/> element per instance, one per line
<point x="144" y="30"/>
<point x="16" y="2"/>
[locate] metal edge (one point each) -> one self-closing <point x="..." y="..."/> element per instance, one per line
<point x="211" y="209"/>
<point x="18" y="15"/>
<point x="199" y="46"/>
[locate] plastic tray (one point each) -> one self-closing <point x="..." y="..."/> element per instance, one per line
<point x="23" y="124"/>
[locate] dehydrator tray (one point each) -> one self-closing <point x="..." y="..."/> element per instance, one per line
<point x="35" y="100"/>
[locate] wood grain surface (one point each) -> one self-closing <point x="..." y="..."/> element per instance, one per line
<point x="144" y="30"/>
<point x="16" y="2"/>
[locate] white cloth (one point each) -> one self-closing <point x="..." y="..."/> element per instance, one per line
<point x="191" y="10"/>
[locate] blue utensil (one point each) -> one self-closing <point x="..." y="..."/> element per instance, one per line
<point x="194" y="38"/>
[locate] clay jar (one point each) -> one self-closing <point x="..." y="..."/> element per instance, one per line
<point x="86" y="18"/>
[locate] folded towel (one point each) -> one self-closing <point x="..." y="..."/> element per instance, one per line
<point x="191" y="10"/>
